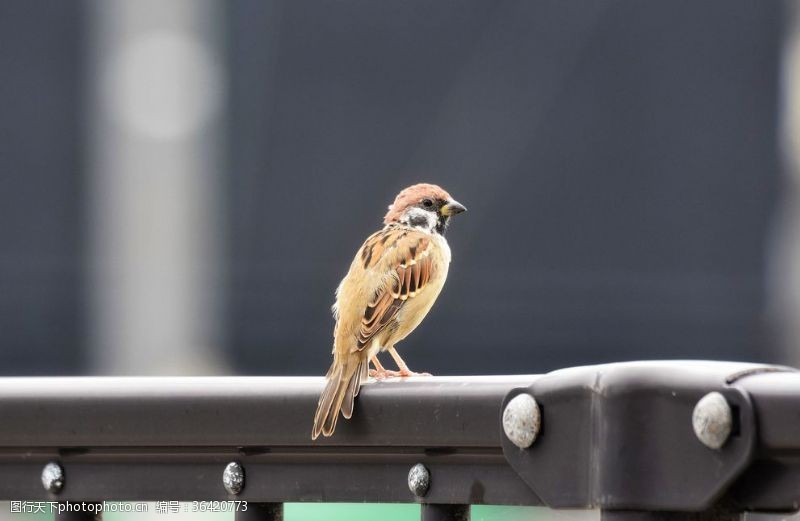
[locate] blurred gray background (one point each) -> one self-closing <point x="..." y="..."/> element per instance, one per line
<point x="183" y="184"/>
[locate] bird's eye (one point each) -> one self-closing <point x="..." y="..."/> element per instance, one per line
<point x="427" y="203"/>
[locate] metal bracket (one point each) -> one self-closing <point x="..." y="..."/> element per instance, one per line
<point x="620" y="437"/>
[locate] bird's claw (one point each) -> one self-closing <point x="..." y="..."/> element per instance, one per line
<point x="407" y="373"/>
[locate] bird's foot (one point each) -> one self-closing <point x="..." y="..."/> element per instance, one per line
<point x="381" y="374"/>
<point x="387" y="373"/>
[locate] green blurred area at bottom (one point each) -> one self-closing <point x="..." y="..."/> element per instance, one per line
<point x="393" y="512"/>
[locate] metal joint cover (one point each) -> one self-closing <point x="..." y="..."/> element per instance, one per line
<point x="627" y="434"/>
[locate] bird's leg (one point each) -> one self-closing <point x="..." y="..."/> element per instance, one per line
<point x="404" y="370"/>
<point x="380" y="372"/>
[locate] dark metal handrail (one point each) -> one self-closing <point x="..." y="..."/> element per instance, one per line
<point x="619" y="437"/>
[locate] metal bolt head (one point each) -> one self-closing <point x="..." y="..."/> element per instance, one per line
<point x="419" y="480"/>
<point x="233" y="477"/>
<point x="522" y="420"/>
<point x="712" y="420"/>
<point x="53" y="477"/>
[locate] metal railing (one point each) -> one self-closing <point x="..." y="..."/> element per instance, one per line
<point x="641" y="439"/>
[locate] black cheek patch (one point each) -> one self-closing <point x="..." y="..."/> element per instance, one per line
<point x="418" y="220"/>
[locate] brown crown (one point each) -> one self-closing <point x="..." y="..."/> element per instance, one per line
<point x="412" y="196"/>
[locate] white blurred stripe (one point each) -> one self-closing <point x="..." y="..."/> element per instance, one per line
<point x="783" y="283"/>
<point x="155" y="140"/>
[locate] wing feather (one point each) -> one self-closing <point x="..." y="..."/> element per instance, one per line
<point x="409" y="270"/>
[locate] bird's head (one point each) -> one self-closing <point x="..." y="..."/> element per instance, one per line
<point x="423" y="206"/>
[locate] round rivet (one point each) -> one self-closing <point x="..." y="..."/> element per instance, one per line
<point x="712" y="420"/>
<point x="419" y="480"/>
<point x="233" y="477"/>
<point x="53" y="477"/>
<point x="522" y="420"/>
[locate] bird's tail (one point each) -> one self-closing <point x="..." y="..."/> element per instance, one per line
<point x="343" y="382"/>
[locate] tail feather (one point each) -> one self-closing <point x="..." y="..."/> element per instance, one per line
<point x="341" y="388"/>
<point x="352" y="390"/>
<point x="364" y="374"/>
<point x="325" y="403"/>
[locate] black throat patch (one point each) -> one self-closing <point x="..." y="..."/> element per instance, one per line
<point x="441" y="224"/>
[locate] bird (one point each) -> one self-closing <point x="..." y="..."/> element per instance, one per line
<point x="392" y="283"/>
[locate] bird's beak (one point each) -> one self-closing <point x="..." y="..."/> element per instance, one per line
<point x="451" y="208"/>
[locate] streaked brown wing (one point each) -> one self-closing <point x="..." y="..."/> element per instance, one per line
<point x="409" y="269"/>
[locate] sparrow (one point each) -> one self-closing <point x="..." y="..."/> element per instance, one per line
<point x="392" y="283"/>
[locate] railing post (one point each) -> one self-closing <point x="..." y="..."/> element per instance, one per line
<point x="438" y="512"/>
<point x="84" y="514"/>
<point x="261" y="512"/>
